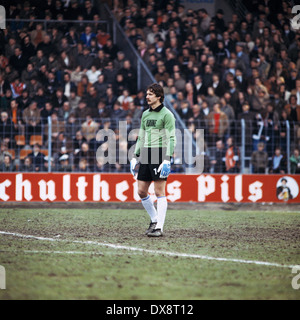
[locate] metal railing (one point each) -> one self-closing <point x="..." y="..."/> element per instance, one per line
<point x="20" y="23"/>
<point x="238" y="7"/>
<point x="77" y="145"/>
<point x="244" y="136"/>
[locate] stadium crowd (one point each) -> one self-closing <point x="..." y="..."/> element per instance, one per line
<point x="214" y="73"/>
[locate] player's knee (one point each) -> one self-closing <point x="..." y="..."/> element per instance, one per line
<point x="159" y="193"/>
<point x="142" y="193"/>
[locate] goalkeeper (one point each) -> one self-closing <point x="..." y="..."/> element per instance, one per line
<point x="154" y="148"/>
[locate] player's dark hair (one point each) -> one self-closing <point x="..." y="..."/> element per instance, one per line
<point x="157" y="90"/>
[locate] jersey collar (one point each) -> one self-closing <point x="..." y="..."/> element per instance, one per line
<point x="157" y="109"/>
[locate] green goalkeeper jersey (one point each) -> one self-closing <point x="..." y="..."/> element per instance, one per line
<point x="157" y="130"/>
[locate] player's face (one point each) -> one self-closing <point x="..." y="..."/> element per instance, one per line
<point x="152" y="99"/>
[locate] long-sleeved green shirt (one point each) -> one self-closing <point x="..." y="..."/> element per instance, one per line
<point x="157" y="130"/>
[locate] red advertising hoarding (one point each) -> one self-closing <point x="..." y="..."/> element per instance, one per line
<point x="76" y="187"/>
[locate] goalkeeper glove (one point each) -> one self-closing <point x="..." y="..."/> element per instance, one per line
<point x="164" y="169"/>
<point x="133" y="163"/>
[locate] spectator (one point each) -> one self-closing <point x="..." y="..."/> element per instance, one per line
<point x="7" y="129"/>
<point x="110" y="50"/>
<point x="37" y="34"/>
<point x="102" y="111"/>
<point x="100" y="85"/>
<point x="211" y="97"/>
<point x="295" y="162"/>
<point x="102" y="36"/>
<point x="66" y="62"/>
<point x="46" y="112"/>
<point x="179" y="81"/>
<point x="110" y="73"/>
<point x="46" y="46"/>
<point x="278" y="162"/>
<point x="218" y="162"/>
<point x="185" y="112"/>
<point x="7" y="165"/>
<point x="248" y="116"/>
<point x="199" y="87"/>
<point x="59" y="99"/>
<point x="87" y="36"/>
<point x="83" y="87"/>
<point x="293" y="109"/>
<point x="6" y="100"/>
<point x="125" y="99"/>
<point x="217" y="124"/>
<point x="62" y="145"/>
<point x="50" y="82"/>
<point x="85" y="153"/>
<point x="28" y="74"/>
<point x="259" y="159"/>
<point x="93" y="74"/>
<point x="129" y="76"/>
<point x="4" y="85"/>
<point x="242" y="60"/>
<point x="101" y="165"/>
<point x="74" y="99"/>
<point x="18" y="61"/>
<point x="89" y="128"/>
<point x="68" y="85"/>
<point x="40" y="98"/>
<point x="296" y="91"/>
<point x="26" y="165"/>
<point x="10" y="73"/>
<point x="64" y="112"/>
<point x="37" y="158"/>
<point x="85" y="60"/>
<point x="205" y="20"/>
<point x="32" y="120"/>
<point x="232" y="157"/>
<point x="78" y="141"/>
<point x="83" y="166"/>
<point x="76" y="75"/>
<point x="92" y="99"/>
<point x="110" y="97"/>
<point x="57" y="127"/>
<point x="64" y="164"/>
<point x="15" y="114"/>
<point x="117" y="112"/>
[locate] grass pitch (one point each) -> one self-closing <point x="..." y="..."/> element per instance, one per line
<point x="104" y="254"/>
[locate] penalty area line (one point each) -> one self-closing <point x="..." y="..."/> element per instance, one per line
<point x="155" y="252"/>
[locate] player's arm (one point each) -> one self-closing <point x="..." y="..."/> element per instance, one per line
<point x="171" y="135"/>
<point x="165" y="167"/>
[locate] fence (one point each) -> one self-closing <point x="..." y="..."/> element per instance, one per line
<point x="247" y="145"/>
<point x="65" y="143"/>
<point x="63" y="25"/>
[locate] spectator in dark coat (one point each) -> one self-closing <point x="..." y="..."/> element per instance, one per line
<point x="37" y="158"/>
<point x="219" y="160"/>
<point x="18" y="61"/>
<point x="7" y="129"/>
<point x="186" y="111"/>
<point x="85" y="60"/>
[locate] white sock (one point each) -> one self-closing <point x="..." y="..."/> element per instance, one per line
<point x="162" y="206"/>
<point x="149" y="206"/>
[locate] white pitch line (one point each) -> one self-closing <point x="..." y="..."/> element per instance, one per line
<point x="54" y="252"/>
<point x="155" y="252"/>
